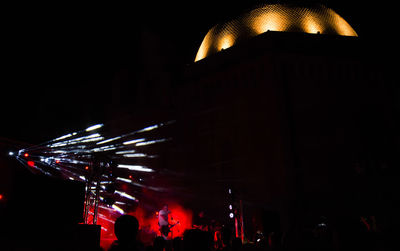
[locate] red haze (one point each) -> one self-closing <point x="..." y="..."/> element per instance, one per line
<point x="148" y="222"/>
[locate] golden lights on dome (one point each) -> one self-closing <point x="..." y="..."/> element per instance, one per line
<point x="342" y="26"/>
<point x="269" y="21"/>
<point x="204" y="48"/>
<point x="311" y="24"/>
<point x="225" y="42"/>
<point x="274" y="17"/>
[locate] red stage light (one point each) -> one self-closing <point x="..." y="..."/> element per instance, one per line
<point x="130" y="176"/>
<point x="31" y="163"/>
<point x="86" y="167"/>
<point x="26" y="155"/>
<point x="1" y="196"/>
<point x="57" y="161"/>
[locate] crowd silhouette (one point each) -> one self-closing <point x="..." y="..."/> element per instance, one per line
<point x="126" y="230"/>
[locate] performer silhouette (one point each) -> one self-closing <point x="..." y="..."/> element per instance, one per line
<point x="163" y="221"/>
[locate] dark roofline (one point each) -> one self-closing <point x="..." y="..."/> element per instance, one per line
<point x="280" y="42"/>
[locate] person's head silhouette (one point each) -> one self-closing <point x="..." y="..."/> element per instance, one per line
<point x="159" y="243"/>
<point x="126" y="228"/>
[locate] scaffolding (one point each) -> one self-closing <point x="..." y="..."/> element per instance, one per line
<point x="94" y="177"/>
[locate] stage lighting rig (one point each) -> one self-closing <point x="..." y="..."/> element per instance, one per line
<point x="236" y="212"/>
<point x="113" y="164"/>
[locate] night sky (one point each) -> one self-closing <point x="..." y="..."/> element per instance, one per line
<point x="58" y="60"/>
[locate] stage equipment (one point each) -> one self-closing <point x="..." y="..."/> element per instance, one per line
<point x="100" y="165"/>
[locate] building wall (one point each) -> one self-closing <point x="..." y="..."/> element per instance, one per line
<point x="284" y="125"/>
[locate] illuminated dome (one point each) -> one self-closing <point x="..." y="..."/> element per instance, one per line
<point x="274" y="17"/>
